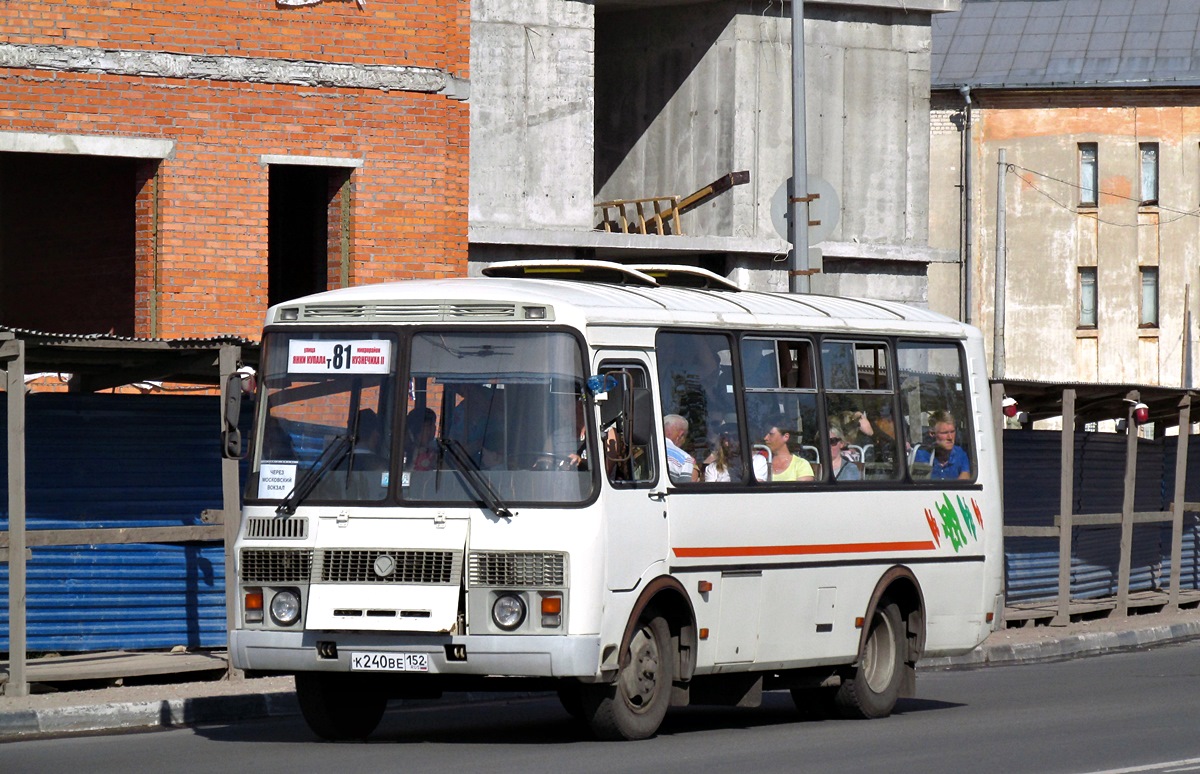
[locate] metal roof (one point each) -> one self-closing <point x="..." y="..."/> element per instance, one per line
<point x="1067" y="43"/>
<point x="101" y="360"/>
<point x="1095" y="402"/>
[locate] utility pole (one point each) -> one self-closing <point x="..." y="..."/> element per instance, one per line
<point x="1001" y="271"/>
<point x="798" y="268"/>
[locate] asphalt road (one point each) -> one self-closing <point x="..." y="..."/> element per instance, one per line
<point x="1121" y="712"/>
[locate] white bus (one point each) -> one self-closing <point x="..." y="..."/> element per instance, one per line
<point x="464" y="484"/>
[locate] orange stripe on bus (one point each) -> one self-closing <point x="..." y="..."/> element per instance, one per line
<point x="834" y="548"/>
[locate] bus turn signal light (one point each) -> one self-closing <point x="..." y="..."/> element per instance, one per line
<point x="704" y="587"/>
<point x="254" y="605"/>
<point x="552" y="611"/>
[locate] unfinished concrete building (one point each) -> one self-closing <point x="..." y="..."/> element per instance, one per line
<point x="579" y="103"/>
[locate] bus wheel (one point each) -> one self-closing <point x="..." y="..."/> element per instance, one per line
<point x="634" y="707"/>
<point x="570" y="695"/>
<point x="338" y="707"/>
<point x="871" y="691"/>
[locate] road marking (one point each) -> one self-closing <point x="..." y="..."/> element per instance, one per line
<point x="1188" y="764"/>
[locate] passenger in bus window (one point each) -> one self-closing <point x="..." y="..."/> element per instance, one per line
<point x="681" y="466"/>
<point x="785" y="466"/>
<point x="569" y="440"/>
<point x="947" y="458"/>
<point x="728" y="461"/>
<point x="842" y="467"/>
<point x="884" y="459"/>
<point x="420" y="449"/>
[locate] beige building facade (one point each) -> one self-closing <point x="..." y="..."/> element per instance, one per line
<point x="1096" y="225"/>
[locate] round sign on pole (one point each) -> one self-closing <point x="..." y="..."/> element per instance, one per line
<point x="825" y="210"/>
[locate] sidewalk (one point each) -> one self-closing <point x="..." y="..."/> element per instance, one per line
<point x="218" y="700"/>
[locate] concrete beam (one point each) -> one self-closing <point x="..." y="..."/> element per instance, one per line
<point x="601" y="240"/>
<point x="84" y="145"/>
<point x="158" y="64"/>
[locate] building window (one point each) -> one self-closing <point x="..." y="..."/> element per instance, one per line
<point x="1087" y="297"/>
<point x="1087" y="174"/>
<point x="1149" y="313"/>
<point x="1149" y="154"/>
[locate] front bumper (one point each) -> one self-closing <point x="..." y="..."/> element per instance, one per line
<point x="509" y="656"/>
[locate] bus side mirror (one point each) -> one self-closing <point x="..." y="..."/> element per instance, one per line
<point x="643" y="416"/>
<point x="231" y="410"/>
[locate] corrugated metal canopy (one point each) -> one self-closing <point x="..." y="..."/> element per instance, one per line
<point x="1095" y="402"/>
<point x="100" y="361"/>
<point x="1067" y="43"/>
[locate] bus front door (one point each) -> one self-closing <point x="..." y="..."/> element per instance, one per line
<point x="635" y="513"/>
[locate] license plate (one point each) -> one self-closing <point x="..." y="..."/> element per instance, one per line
<point x="389" y="662"/>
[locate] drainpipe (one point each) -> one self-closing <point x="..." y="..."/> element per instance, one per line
<point x="965" y="204"/>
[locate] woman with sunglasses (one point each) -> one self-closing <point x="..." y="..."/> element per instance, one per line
<point x="843" y="468"/>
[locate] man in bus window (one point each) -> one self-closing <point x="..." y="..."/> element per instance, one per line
<point x="785" y="466"/>
<point x="947" y="458"/>
<point x="681" y="466"/>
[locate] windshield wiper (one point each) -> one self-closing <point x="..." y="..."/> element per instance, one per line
<point x="333" y="454"/>
<point x="475" y="478"/>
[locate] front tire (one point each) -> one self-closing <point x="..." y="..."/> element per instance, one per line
<point x="872" y="689"/>
<point x="339" y="707"/>
<point x="634" y="706"/>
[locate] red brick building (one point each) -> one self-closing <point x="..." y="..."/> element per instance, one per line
<point x="169" y="169"/>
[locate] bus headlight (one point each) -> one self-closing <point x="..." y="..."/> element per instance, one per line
<point x="508" y="611"/>
<point x="285" y="607"/>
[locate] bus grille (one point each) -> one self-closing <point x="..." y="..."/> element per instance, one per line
<point x="276" y="565"/>
<point x="292" y="527"/>
<point x="365" y="566"/>
<point x="514" y="568"/>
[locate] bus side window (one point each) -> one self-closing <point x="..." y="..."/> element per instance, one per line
<point x="631" y="464"/>
<point x="934" y="401"/>
<point x="860" y="403"/>
<point x="695" y="381"/>
<point x="781" y="408"/>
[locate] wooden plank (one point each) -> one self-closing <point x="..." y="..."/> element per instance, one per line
<point x="1123" y="570"/>
<point x="1102" y="519"/>
<point x="1185" y="408"/>
<point x="231" y="502"/>
<point x="1066" y="506"/>
<point x="116" y="535"/>
<point x="117" y="664"/>
<point x="15" y="388"/>
<point x="1086" y="520"/>
<point x="1015" y="531"/>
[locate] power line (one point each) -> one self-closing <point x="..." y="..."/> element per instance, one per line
<point x="1179" y="213"/>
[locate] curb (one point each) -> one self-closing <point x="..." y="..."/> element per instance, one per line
<point x="1069" y="646"/>
<point x="167" y="713"/>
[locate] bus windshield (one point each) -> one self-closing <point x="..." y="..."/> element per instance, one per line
<point x="495" y="419"/>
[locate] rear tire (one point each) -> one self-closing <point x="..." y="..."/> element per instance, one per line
<point x="339" y="707"/>
<point x="872" y="689"/>
<point x="634" y="706"/>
